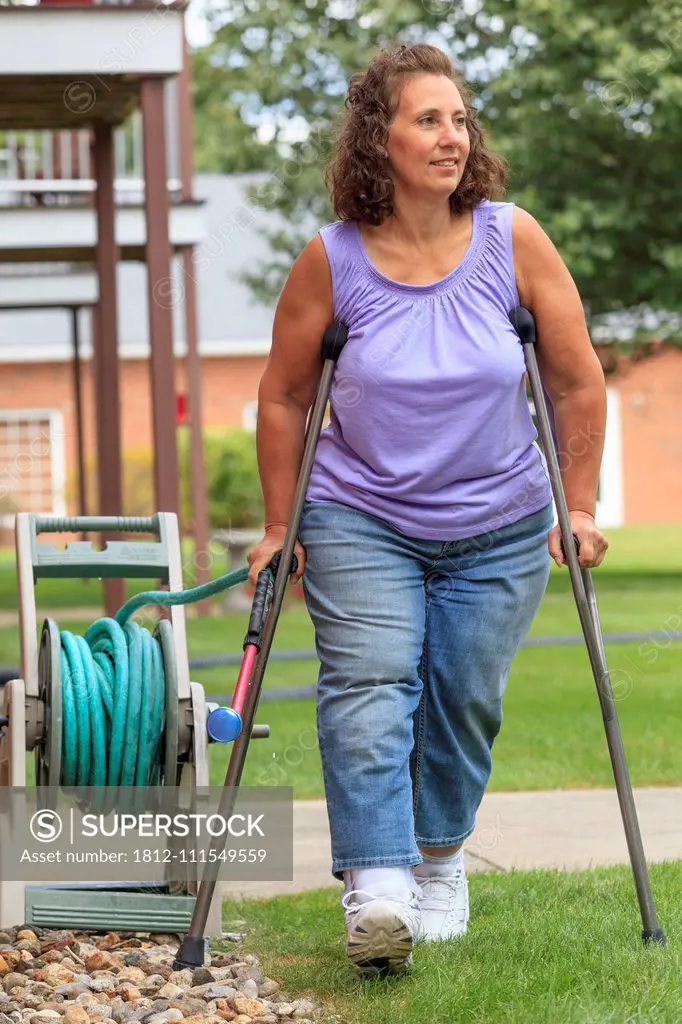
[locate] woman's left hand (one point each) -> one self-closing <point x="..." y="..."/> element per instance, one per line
<point x="593" y="543"/>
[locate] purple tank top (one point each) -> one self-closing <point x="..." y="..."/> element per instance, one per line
<point x="430" y="428"/>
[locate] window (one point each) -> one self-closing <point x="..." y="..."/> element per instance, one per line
<point x="610" y="488"/>
<point x="32" y="464"/>
<point x="249" y="415"/>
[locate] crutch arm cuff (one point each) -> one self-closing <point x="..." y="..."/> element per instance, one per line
<point x="523" y="323"/>
<point x="333" y="341"/>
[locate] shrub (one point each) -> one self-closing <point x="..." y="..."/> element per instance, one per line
<point x="138" y="484"/>
<point x="234" y="492"/>
<point x="232" y="482"/>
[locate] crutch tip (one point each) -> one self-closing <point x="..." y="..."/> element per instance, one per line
<point x="654" y="937"/>
<point x="192" y="953"/>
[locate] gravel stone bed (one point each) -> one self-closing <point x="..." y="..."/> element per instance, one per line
<point x="77" y="977"/>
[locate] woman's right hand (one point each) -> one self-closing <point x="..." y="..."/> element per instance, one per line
<point x="260" y="556"/>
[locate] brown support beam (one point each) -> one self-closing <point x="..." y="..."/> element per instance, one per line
<point x="75" y="155"/>
<point x="78" y="401"/>
<point x="91" y="161"/>
<point x="202" y="557"/>
<point x="193" y="364"/>
<point x="159" y="288"/>
<point x="56" y="154"/>
<point x="185" y="139"/>
<point x="107" y="404"/>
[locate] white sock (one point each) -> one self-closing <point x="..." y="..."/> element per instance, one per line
<point x="380" y="882"/>
<point x="439" y="867"/>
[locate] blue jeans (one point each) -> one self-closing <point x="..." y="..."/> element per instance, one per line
<point x="415" y="640"/>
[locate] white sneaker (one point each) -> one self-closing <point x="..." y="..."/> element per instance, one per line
<point x="444" y="904"/>
<point x="381" y="932"/>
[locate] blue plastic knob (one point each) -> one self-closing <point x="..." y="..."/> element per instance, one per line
<point x="223" y="724"/>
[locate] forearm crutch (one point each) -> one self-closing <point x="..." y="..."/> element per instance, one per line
<point x="586" y="601"/>
<point x="267" y="604"/>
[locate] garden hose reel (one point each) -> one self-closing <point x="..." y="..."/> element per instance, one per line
<point x="35" y="706"/>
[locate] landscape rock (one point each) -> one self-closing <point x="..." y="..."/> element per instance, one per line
<point x="60" y="976"/>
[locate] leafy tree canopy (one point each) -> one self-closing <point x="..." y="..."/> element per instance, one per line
<point x="583" y="99"/>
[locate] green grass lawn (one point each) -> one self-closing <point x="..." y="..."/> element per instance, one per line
<point x="87" y="593"/>
<point x="542" y="948"/>
<point x="552" y="736"/>
<point x="649" y="554"/>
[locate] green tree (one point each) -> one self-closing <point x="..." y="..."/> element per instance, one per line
<point x="588" y="114"/>
<point x="291" y="59"/>
<point x="222" y="140"/>
<point x="582" y="98"/>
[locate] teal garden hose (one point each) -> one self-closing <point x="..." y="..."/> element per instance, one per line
<point x="113" y="693"/>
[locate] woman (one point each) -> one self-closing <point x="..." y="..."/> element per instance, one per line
<point x="428" y="516"/>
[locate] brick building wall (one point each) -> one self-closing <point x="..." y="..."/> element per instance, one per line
<point x="230" y="384"/>
<point x="649" y="393"/>
<point x="651" y="421"/>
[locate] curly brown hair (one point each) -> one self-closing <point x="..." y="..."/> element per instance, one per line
<point x="356" y="173"/>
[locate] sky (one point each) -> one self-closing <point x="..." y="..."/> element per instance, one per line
<point x="197" y="30"/>
<point x="296" y="129"/>
<point x="198" y="34"/>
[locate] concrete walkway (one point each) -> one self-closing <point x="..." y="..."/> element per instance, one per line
<point x="567" y="829"/>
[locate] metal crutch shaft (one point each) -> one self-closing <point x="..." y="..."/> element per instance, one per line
<point x="585" y="598"/>
<point x="193" y="946"/>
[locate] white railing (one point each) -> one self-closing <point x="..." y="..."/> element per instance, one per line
<point x="82" y="3"/>
<point x="44" y="168"/>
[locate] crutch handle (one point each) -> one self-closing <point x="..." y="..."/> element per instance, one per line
<point x="577" y="546"/>
<point x="277" y="558"/>
<point x="262" y="598"/>
<point x="259" y="607"/>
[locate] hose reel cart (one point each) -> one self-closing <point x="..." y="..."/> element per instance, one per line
<point x="155" y="734"/>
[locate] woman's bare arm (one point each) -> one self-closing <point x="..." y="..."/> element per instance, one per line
<point x="291" y="377"/>
<point x="571" y="371"/>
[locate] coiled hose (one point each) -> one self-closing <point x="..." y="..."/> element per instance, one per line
<point x="113" y="693"/>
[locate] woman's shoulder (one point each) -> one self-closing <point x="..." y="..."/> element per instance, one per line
<point x="338" y="240"/>
<point x="497" y="219"/>
<point x="497" y="209"/>
<point x="495" y="263"/>
<point x="337" y="229"/>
